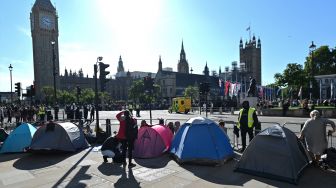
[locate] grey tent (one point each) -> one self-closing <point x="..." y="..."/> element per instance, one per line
<point x="275" y="153"/>
<point x="58" y="137"/>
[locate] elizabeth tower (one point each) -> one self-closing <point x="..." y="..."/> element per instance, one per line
<point x="44" y="29"/>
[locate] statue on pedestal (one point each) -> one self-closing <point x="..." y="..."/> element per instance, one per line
<point x="252" y="89"/>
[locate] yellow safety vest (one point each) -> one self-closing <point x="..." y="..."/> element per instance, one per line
<point x="249" y="117"/>
<point x="41" y="111"/>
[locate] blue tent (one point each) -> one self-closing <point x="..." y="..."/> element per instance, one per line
<point x="201" y="140"/>
<point x="19" y="139"/>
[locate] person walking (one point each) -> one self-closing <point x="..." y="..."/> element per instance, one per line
<point x="247" y="119"/>
<point x="127" y="134"/>
<point x="314" y="135"/>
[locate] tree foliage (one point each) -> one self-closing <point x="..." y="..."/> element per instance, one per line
<point x="192" y="92"/>
<point x="137" y="92"/>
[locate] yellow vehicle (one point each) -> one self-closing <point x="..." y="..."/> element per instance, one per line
<point x="180" y="105"/>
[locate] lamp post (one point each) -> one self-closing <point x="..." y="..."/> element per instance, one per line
<point x="96" y="91"/>
<point x="312" y="48"/>
<point x="54" y="69"/>
<point x="10" y="70"/>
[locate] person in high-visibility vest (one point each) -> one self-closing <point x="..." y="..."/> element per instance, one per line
<point x="247" y="120"/>
<point x="41" y="112"/>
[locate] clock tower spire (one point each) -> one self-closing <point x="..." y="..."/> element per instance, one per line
<point x="44" y="30"/>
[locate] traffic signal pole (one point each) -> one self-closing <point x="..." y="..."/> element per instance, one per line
<point x="96" y="97"/>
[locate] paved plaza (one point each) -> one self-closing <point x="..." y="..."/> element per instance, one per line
<point x="86" y="168"/>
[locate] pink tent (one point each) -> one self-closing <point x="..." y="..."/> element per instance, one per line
<point x="152" y="141"/>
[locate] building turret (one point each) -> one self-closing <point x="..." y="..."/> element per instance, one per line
<point x="120" y="65"/>
<point x="241" y="43"/>
<point x="183" y="66"/>
<point x="160" y="64"/>
<point x="259" y="43"/>
<point x="206" y="69"/>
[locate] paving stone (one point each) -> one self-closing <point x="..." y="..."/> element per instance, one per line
<point x="148" y="174"/>
<point x="15" y="176"/>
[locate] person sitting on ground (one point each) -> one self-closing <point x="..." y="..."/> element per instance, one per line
<point x="144" y="124"/>
<point x="222" y="125"/>
<point x="111" y="148"/>
<point x="314" y="134"/>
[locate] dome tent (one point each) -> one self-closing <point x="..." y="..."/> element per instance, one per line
<point x="201" y="140"/>
<point x="19" y="139"/>
<point x="275" y="153"/>
<point x="152" y="141"/>
<point x="59" y="137"/>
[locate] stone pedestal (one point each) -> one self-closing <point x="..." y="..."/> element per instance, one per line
<point x="252" y="101"/>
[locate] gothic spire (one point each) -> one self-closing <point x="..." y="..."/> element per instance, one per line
<point x="160" y="64"/>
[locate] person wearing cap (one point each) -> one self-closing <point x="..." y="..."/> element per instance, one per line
<point x="314" y="134"/>
<point x="247" y="120"/>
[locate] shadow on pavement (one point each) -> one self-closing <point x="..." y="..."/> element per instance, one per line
<point x="225" y="175"/>
<point x="37" y="161"/>
<point x="81" y="175"/>
<point x="111" y="169"/>
<point x="125" y="181"/>
<point x="158" y="162"/>
<point x="11" y="156"/>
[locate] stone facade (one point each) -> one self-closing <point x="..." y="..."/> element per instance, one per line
<point x="327" y="84"/>
<point x="250" y="56"/>
<point x="44" y="30"/>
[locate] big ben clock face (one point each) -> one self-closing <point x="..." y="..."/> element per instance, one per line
<point x="47" y="22"/>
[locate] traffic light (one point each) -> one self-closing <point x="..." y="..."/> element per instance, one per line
<point x="102" y="75"/>
<point x="148" y="83"/>
<point x="18" y="89"/>
<point x="204" y="87"/>
<point x="32" y="90"/>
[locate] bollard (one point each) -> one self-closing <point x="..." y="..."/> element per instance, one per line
<point x="220" y="110"/>
<point x="108" y="127"/>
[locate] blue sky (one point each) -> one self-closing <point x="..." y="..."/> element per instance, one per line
<point x="141" y="31"/>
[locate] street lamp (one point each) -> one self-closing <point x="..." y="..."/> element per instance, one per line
<point x="99" y="59"/>
<point x="10" y="70"/>
<point x="54" y="69"/>
<point x="312" y="48"/>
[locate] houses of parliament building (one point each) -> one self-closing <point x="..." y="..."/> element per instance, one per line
<point x="45" y="32"/>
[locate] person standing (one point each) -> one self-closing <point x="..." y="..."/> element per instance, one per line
<point x="9" y="114"/>
<point x="86" y="111"/>
<point x="137" y="109"/>
<point x="314" y="134"/>
<point x="247" y="119"/>
<point x="127" y="134"/>
<point x="41" y="112"/>
<point x="92" y="111"/>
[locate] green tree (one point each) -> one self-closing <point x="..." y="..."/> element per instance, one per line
<point x="320" y="62"/>
<point x="48" y="93"/>
<point x="137" y="92"/>
<point x="87" y="96"/>
<point x="65" y="97"/>
<point x="192" y="92"/>
<point x="293" y="76"/>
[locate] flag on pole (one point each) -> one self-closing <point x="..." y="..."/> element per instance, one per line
<point x="247" y="29"/>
